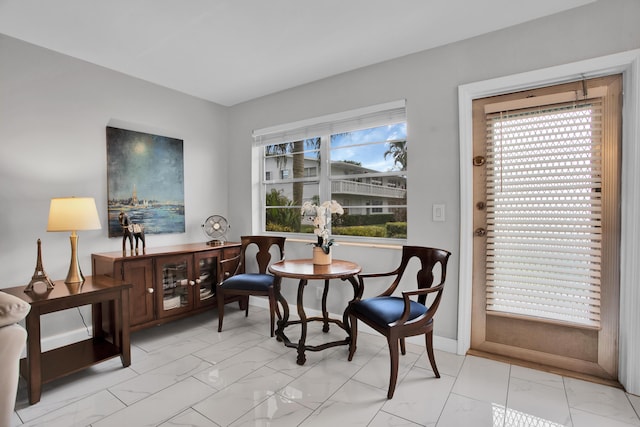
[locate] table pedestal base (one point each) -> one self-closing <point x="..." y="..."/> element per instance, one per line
<point x="301" y="346"/>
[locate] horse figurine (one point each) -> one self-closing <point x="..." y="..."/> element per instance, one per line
<point x="129" y="231"/>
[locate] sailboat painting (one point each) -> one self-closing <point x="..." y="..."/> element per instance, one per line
<point x="145" y="180"/>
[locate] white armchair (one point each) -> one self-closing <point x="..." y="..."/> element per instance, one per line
<point x="12" y="341"/>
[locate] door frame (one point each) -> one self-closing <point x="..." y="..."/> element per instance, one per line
<point x="627" y="63"/>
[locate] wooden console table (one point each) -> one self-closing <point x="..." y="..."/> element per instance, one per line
<point x="169" y="283"/>
<point x="109" y="299"/>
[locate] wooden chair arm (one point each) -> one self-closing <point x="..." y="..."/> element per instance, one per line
<point x="423" y="291"/>
<point x="388" y="291"/>
<point x="229" y="267"/>
<point x="369" y="275"/>
<point x="406" y="296"/>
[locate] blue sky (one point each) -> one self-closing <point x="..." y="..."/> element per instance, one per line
<point x="348" y="146"/>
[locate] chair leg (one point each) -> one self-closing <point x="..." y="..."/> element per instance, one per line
<point x="403" y="348"/>
<point x="432" y="359"/>
<point x="220" y="299"/>
<point x="354" y="336"/>
<point x="272" y="311"/>
<point x="393" y="353"/>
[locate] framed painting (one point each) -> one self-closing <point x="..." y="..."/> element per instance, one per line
<point x="145" y="180"/>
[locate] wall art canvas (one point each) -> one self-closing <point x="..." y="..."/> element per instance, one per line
<point x="145" y="180"/>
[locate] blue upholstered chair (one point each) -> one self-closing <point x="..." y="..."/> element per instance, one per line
<point x="237" y="281"/>
<point x="397" y="317"/>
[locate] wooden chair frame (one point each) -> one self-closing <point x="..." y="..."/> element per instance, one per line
<point x="236" y="265"/>
<point x="397" y="331"/>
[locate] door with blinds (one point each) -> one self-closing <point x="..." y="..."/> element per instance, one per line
<point x="547" y="226"/>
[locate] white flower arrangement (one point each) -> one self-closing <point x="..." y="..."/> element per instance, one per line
<point x="321" y="216"/>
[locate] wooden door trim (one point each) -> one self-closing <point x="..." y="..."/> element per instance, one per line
<point x="602" y="347"/>
<point x="628" y="63"/>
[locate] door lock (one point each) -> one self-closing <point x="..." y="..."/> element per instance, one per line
<point x="478" y="161"/>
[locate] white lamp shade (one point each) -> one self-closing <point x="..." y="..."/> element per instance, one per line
<point x="72" y="214"/>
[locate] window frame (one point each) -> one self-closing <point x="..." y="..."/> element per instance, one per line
<point x="324" y="177"/>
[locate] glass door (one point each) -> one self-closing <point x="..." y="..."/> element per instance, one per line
<point x="546" y="225"/>
<point x="206" y="275"/>
<point x="175" y="276"/>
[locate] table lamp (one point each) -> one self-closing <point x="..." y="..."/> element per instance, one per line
<point x="73" y="214"/>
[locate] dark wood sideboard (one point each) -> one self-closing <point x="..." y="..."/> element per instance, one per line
<point x="170" y="282"/>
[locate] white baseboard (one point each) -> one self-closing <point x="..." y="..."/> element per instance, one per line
<point x="439" y="343"/>
<point x="65" y="338"/>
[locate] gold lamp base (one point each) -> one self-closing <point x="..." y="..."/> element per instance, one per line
<point x="72" y="214"/>
<point x="74" y="276"/>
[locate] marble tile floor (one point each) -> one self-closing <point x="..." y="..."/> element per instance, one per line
<point x="187" y="374"/>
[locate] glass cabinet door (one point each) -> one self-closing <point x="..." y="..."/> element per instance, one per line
<point x="206" y="277"/>
<point x="175" y="276"/>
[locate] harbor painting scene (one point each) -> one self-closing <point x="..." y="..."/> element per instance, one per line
<point x="145" y="178"/>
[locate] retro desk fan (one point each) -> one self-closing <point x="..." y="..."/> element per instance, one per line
<point x="216" y="227"/>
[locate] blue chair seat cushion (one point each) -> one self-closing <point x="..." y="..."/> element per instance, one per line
<point x="386" y="310"/>
<point x="249" y="282"/>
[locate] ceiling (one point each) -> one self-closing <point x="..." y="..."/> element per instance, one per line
<point x="230" y="51"/>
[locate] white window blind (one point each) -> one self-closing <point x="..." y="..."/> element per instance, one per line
<point x="543" y="205"/>
<point x="347" y="121"/>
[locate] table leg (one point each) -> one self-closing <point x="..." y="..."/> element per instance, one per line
<point x="34" y="356"/>
<point x="282" y="322"/>
<point x="96" y="320"/>
<point x="325" y="313"/>
<point x="303" y="323"/>
<point x="357" y="293"/>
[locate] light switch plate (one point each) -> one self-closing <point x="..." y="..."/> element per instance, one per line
<point x="438" y="213"/>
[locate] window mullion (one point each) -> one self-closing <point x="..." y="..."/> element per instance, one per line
<point x="325" y="169"/>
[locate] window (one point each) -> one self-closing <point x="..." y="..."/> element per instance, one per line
<point x="358" y="160"/>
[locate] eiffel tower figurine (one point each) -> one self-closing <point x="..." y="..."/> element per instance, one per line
<point x="39" y="275"/>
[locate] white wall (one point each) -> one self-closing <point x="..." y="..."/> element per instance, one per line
<point x="429" y="82"/>
<point x="54" y="110"/>
<point x="53" y="114"/>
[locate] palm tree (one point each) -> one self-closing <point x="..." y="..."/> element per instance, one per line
<point x="298" y="171"/>
<point x="297" y="150"/>
<point x="398" y="150"/>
